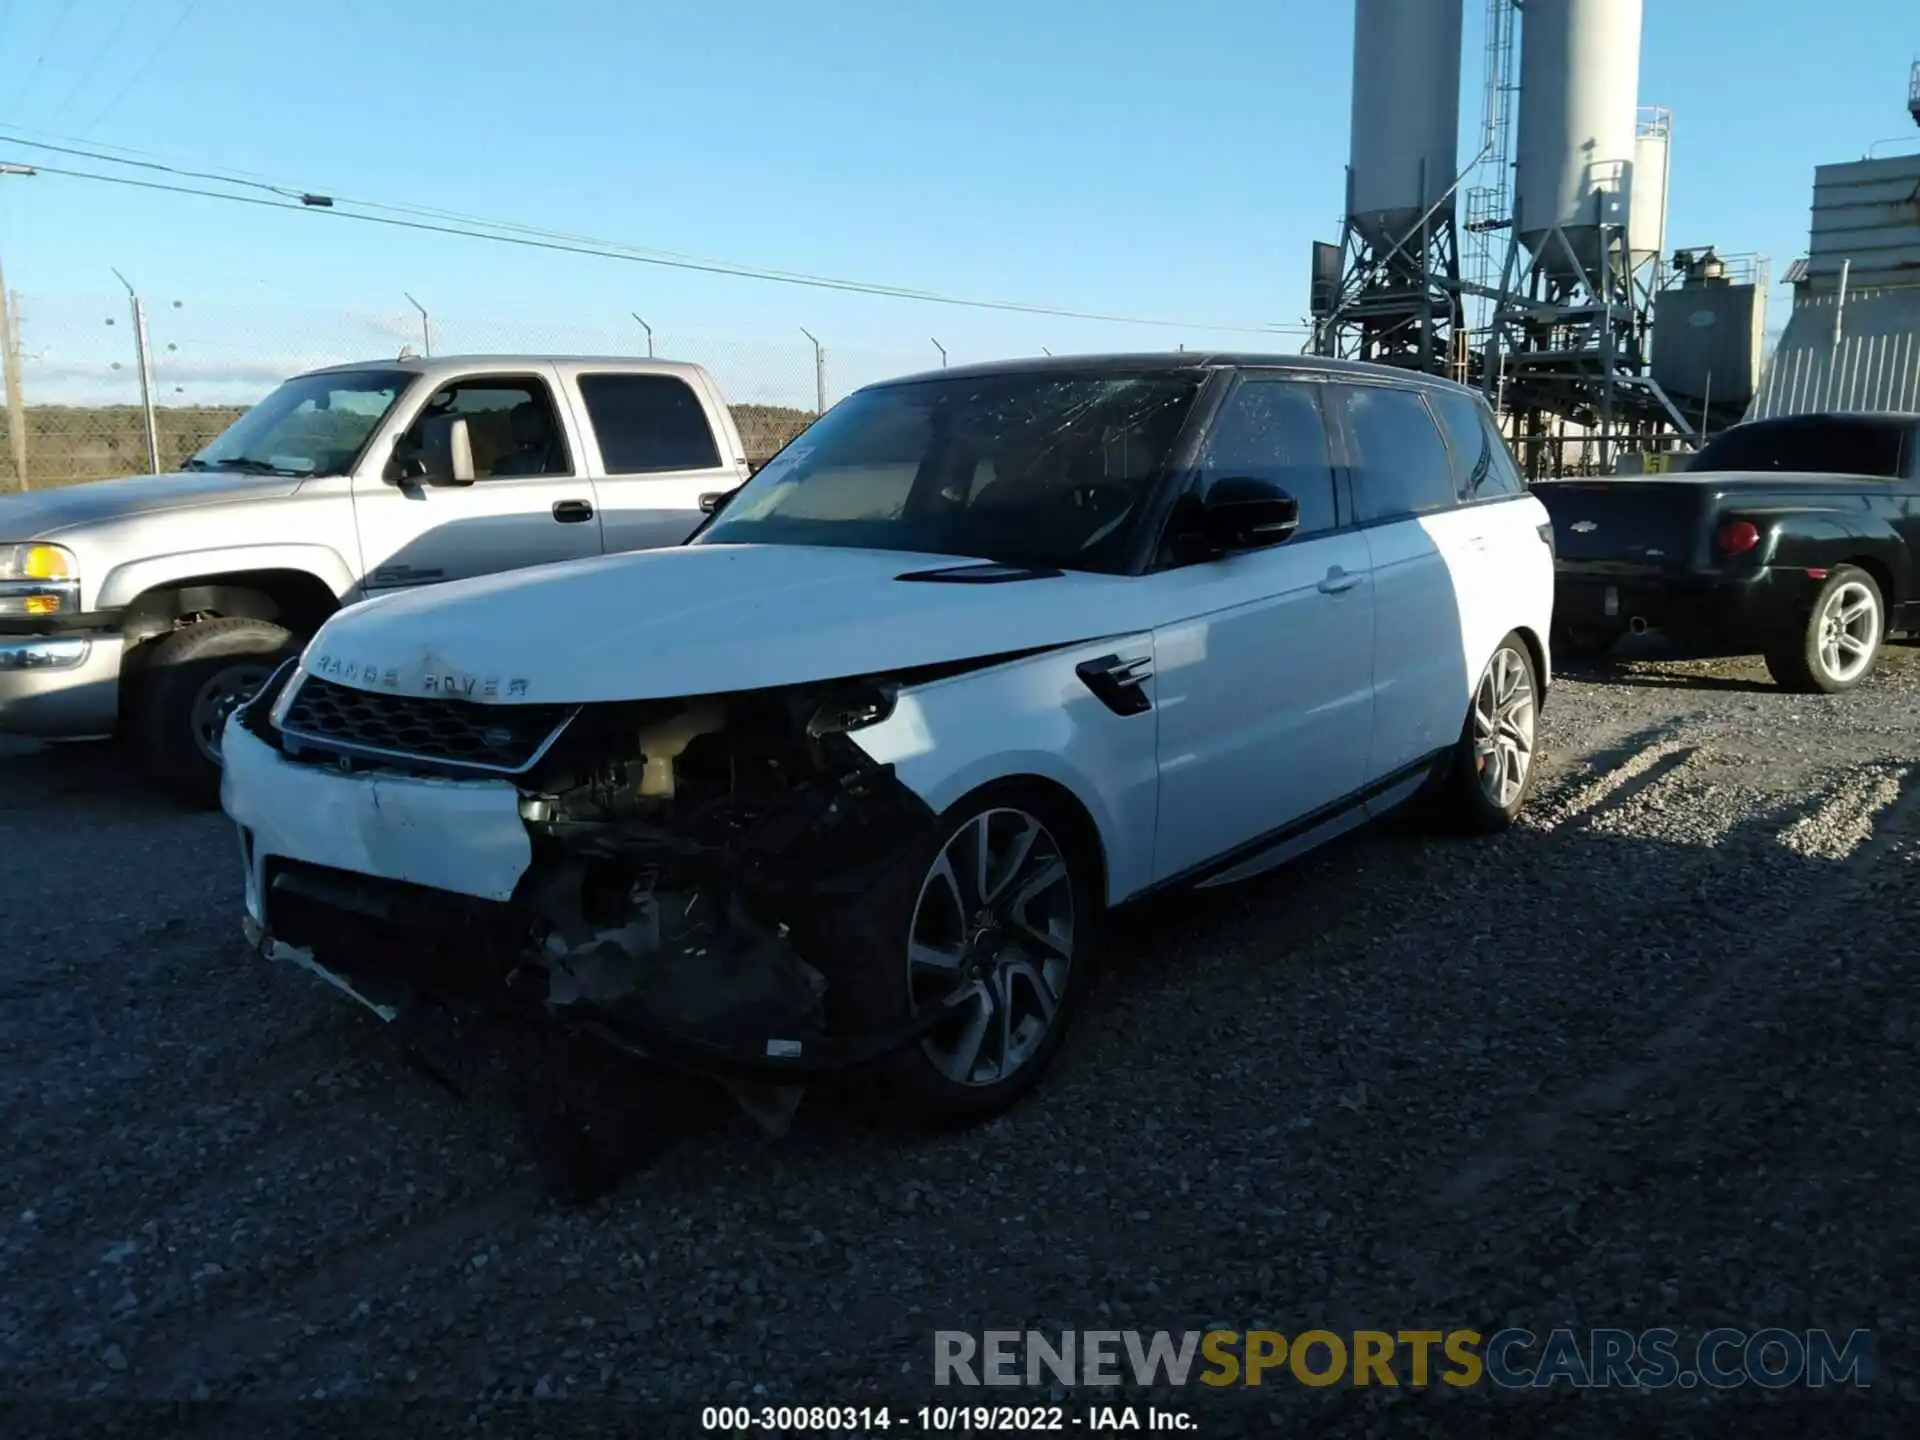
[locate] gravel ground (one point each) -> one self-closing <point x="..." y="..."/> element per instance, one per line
<point x="1647" y="1060"/>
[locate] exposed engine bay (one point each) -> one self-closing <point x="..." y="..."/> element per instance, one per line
<point x="692" y="862"/>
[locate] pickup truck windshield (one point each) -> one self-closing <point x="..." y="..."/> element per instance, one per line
<point x="311" y="425"/>
<point x="1817" y="445"/>
<point x="1046" y="469"/>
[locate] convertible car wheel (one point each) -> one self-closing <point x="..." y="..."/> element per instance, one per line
<point x="992" y="918"/>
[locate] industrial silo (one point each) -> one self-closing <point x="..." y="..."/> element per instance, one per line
<point x="1579" y="91"/>
<point x="1406" y="116"/>
<point x="1647" y="219"/>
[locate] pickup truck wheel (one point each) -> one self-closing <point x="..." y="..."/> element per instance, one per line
<point x="192" y="680"/>
<point x="1836" y="648"/>
<point x="1001" y="898"/>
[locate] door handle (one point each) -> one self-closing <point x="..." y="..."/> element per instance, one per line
<point x="1338" y="581"/>
<point x="572" y="512"/>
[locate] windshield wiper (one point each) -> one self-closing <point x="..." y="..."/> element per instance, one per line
<point x="246" y="464"/>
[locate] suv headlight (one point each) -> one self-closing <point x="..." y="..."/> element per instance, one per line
<point x="38" y="580"/>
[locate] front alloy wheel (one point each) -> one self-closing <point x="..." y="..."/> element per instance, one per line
<point x="995" y="913"/>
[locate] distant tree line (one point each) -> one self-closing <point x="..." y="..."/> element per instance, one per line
<point x="69" y="444"/>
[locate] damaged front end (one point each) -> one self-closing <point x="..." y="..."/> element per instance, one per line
<point x="686" y="865"/>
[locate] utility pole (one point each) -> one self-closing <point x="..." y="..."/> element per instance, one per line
<point x="646" y="327"/>
<point x="819" y="374"/>
<point x="426" y="328"/>
<point x="10" y="357"/>
<point x="10" y="361"/>
<point x="146" y="373"/>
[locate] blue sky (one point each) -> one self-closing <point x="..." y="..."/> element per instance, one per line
<point x="1126" y="157"/>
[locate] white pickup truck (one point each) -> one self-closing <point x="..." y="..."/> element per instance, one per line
<point x="151" y="606"/>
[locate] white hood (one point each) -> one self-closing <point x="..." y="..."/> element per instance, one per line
<point x="699" y="620"/>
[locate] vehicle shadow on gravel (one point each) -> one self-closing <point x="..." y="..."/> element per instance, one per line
<point x="1643" y="1060"/>
<point x="1561" y="1077"/>
<point x="1653" y="663"/>
<point x="98" y="776"/>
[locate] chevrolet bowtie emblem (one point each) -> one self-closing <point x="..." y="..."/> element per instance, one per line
<point x="1583" y="527"/>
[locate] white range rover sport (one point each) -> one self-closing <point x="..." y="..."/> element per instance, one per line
<point x="852" y="777"/>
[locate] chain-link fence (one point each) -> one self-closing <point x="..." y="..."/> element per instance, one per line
<point x="83" y="413"/>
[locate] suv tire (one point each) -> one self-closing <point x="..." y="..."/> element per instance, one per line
<point x="1486" y="784"/>
<point x="883" y="945"/>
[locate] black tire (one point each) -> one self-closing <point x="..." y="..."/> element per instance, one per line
<point x="1803" y="664"/>
<point x="1587" y="642"/>
<point x="1464" y="800"/>
<point x="180" y="678"/>
<point x="864" y="952"/>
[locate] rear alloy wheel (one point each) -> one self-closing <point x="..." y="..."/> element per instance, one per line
<point x="1842" y="637"/>
<point x="1491" y="774"/>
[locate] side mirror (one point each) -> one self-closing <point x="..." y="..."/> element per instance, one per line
<point x="1241" y="513"/>
<point x="439" y="451"/>
<point x="714" y="501"/>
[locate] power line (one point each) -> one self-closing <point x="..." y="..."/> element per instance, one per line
<point x="92" y="65"/>
<point x="46" y="44"/>
<point x="285" y="190"/>
<point x="153" y="58"/>
<point x="287" y="199"/>
<point x="583" y="243"/>
<point x="117" y="153"/>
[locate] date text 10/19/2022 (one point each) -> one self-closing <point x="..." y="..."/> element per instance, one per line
<point x="937" y="1419"/>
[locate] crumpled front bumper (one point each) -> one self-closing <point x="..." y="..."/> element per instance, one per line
<point x="467" y="838"/>
<point x="462" y="836"/>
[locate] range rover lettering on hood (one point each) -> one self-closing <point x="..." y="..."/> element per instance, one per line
<point x="710" y="619"/>
<point x="371" y="675"/>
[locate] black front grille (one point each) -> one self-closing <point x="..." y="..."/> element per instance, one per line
<point x="499" y="738"/>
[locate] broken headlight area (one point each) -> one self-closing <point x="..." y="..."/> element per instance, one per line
<point x="692" y="861"/>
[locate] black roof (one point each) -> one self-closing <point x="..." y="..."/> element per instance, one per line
<point x="1173" y="362"/>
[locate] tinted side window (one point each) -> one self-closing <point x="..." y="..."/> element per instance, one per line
<point x="1399" y="465"/>
<point x="1482" y="468"/>
<point x="1271" y="430"/>
<point x="648" y="423"/>
<point x="1506" y="470"/>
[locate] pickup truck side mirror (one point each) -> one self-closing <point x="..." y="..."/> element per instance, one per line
<point x="438" y="452"/>
<point x="1241" y="513"/>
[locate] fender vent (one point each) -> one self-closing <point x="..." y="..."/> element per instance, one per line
<point x="1118" y="683"/>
